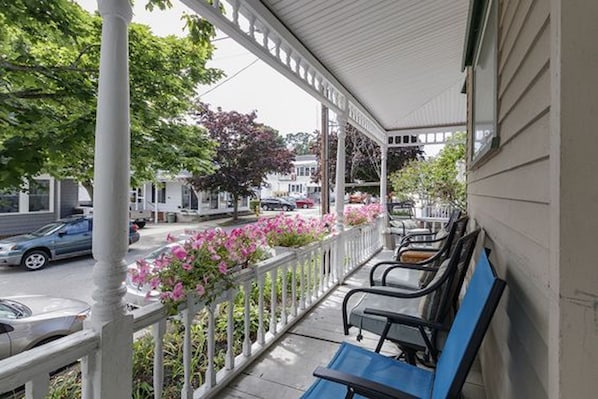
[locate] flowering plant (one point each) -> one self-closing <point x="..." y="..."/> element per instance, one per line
<point x="284" y="231"/>
<point x="202" y="264"/>
<point x="355" y="216"/>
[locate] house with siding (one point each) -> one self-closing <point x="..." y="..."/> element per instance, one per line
<point x="44" y="202"/>
<point x="172" y="194"/>
<point x="298" y="182"/>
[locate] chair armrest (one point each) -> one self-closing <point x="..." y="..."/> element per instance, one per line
<point x="396" y="264"/>
<point x="411" y="236"/>
<point x="361" y="386"/>
<point x="411" y="321"/>
<point x="383" y="291"/>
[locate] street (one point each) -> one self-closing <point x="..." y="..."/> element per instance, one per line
<point x="72" y="278"/>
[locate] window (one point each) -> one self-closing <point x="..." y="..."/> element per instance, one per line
<point x="161" y="193"/>
<point x="485" y="135"/>
<point x="295" y="188"/>
<point x="9" y="201"/>
<point x="39" y="196"/>
<point x="79" y="227"/>
<point x="189" y="199"/>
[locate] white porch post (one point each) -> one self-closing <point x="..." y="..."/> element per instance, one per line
<point x="109" y="373"/>
<point x="340" y="192"/>
<point x="384" y="190"/>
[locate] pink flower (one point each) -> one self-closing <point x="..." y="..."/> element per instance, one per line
<point x="200" y="289"/>
<point x="222" y="268"/>
<point x="187" y="266"/>
<point x="170" y="238"/>
<point x="178" y="292"/>
<point x="179" y="252"/>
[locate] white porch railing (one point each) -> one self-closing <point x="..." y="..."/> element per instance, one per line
<point x="288" y="286"/>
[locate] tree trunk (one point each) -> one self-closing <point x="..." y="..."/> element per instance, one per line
<point x="88" y="186"/>
<point x="235" y="208"/>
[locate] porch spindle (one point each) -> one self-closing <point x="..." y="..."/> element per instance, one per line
<point x="247" y="319"/>
<point x="38" y="387"/>
<point x="273" y="300"/>
<point x="294" y="289"/>
<point x="261" y="339"/>
<point x="229" y="361"/>
<point x="236" y="6"/>
<point x="301" y="282"/>
<point x="111" y="212"/>
<point x="308" y="281"/>
<point x="158" y="331"/>
<point x="252" y="27"/>
<point x="284" y="304"/>
<point x="187" y="391"/>
<point x="210" y="380"/>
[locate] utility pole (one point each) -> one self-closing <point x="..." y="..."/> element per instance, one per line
<point x="325" y="162"/>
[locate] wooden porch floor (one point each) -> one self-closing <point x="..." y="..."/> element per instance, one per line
<point x="285" y="370"/>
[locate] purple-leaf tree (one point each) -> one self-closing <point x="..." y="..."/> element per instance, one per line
<point x="246" y="152"/>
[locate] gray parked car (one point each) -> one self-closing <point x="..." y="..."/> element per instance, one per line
<point x="65" y="238"/>
<point x="32" y="320"/>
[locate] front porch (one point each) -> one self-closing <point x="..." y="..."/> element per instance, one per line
<point x="299" y="327"/>
<point x="285" y="370"/>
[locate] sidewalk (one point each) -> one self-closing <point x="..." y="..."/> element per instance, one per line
<point x="162" y="228"/>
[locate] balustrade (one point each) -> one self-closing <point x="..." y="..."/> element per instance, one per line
<point x="287" y="287"/>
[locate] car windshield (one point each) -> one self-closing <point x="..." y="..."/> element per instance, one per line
<point x="13" y="310"/>
<point x="48" y="229"/>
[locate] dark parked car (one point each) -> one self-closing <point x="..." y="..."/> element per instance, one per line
<point x="31" y="320"/>
<point x="268" y="204"/>
<point x="65" y="238"/>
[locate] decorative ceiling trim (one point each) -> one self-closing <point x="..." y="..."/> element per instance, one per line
<point x="253" y="26"/>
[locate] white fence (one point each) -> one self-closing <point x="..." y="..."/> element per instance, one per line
<point x="287" y="287"/>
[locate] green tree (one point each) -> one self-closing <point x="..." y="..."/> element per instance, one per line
<point x="48" y="92"/>
<point x="434" y="179"/>
<point x="300" y="143"/>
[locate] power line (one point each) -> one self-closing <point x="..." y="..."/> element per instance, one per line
<point x="229" y="78"/>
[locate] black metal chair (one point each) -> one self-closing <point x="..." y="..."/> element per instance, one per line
<point x="433" y="303"/>
<point x="392" y="273"/>
<point x="425" y="240"/>
<point x="357" y="371"/>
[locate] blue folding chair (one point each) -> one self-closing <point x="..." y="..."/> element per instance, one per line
<point x="355" y="372"/>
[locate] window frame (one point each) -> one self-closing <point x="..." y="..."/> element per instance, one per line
<point x="480" y="149"/>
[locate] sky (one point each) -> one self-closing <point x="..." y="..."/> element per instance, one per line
<point x="279" y="103"/>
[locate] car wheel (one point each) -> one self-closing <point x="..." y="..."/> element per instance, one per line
<point x="34" y="260"/>
<point x="265" y="207"/>
<point x="304" y="206"/>
<point x="285" y="208"/>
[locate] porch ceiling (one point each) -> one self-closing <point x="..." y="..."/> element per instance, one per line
<point x="401" y="59"/>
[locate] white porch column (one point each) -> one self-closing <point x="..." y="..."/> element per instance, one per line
<point x="340" y="194"/>
<point x="340" y="172"/>
<point x="384" y="180"/>
<point x="109" y="373"/>
<point x="384" y="190"/>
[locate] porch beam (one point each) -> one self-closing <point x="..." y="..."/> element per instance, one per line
<point x="413" y="137"/>
<point x="280" y="49"/>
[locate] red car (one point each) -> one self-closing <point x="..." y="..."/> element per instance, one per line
<point x="304" y="203"/>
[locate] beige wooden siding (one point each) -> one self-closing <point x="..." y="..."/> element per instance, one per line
<point x="509" y="197"/>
